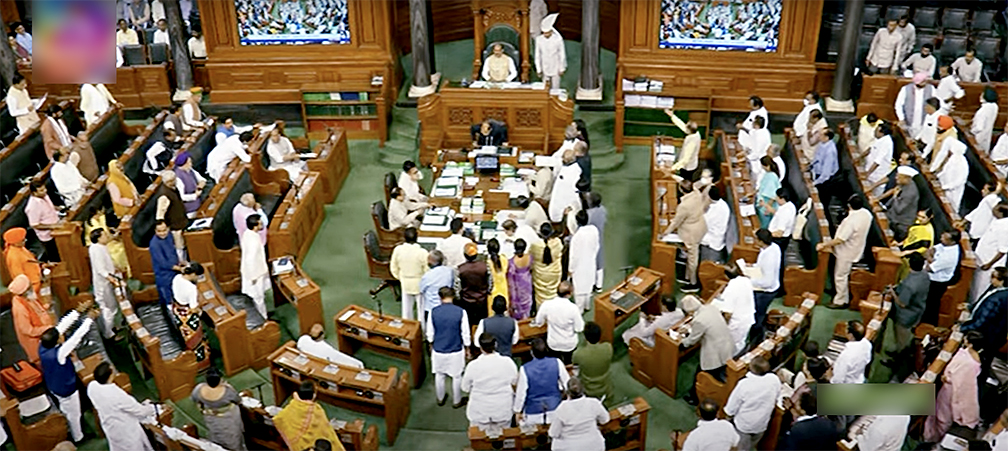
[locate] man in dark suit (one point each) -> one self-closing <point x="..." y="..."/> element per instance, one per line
<point x="810" y="431"/>
<point x="489" y="133"/>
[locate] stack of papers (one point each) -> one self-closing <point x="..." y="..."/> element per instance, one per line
<point x="525" y="172"/>
<point x="478" y="84"/>
<point x="656" y="85"/>
<point x="547" y="161"/>
<point x="515" y="187"/>
<point x="447" y="186"/>
<point x="538" y="85"/>
<point x="649" y="102"/>
<point x="641" y="86"/>
<point x="628" y="85"/>
<point x="452" y="171"/>
<point x="665" y="149"/>
<point x="472" y="205"/>
<point x="632" y="100"/>
<point x="506" y="170"/>
<point x="526" y="157"/>
<point x="666" y="102"/>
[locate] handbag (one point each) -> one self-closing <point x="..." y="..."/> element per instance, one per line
<point x="21" y="376"/>
<point x="801" y="219"/>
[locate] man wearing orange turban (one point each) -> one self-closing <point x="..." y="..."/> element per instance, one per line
<point x="19" y="259"/>
<point x="31" y="317"/>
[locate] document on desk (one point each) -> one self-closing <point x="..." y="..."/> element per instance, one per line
<point x="747" y="210"/>
<point x="671" y="238"/>
<point x="479" y="84"/>
<point x="349" y="313"/>
<point x="752" y="272"/>
<point x="453" y="171"/>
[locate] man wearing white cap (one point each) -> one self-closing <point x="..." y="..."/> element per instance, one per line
<point x="550" y="56"/>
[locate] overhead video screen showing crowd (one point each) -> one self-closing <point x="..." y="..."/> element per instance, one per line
<point x="747" y="25"/>
<point x="264" y="22"/>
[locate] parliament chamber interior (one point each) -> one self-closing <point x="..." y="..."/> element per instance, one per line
<point x="592" y="224"/>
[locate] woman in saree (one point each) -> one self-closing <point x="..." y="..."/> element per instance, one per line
<point x="98" y="219"/>
<point x="546" y="269"/>
<point x="519" y="278"/>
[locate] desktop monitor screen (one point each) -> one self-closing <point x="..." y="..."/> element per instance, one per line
<point x="487" y="163"/>
<point x="746" y="25"/>
<point x="266" y="22"/>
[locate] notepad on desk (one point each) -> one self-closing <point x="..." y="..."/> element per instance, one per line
<point x="747" y="209"/>
<point x="307" y="155"/>
<point x="752" y="272"/>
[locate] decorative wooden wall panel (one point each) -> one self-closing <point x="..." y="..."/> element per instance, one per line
<point x="878" y="95"/>
<point x="779" y="77"/>
<point x="276" y="73"/>
<point x="135" y="87"/>
<point x="453" y="22"/>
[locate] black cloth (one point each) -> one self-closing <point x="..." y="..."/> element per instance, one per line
<point x="584" y="183"/>
<point x="498" y="134"/>
<point x="810" y="433"/>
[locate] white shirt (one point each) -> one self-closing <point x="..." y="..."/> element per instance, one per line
<point x="69" y="182"/>
<point x="184" y="291"/>
<point x="885" y="433"/>
<point x="452" y="248"/>
<point x="550" y="55"/>
<point x="161" y="37"/>
<point x="120" y="416"/>
<point x="880" y="153"/>
<point x="850" y="365"/>
<point x="190" y="119"/>
<point x="948" y="88"/>
<point x="576" y="423"/>
<point x="253" y="257"/>
<point x="999" y="153"/>
<point x="953" y="176"/>
<point x="967" y="72"/>
<point x="119" y="57"/>
<point x="61" y="130"/>
<point x="219" y="137"/>
<point x="222" y="154"/>
<point x="716" y="435"/>
<point x="102" y="265"/>
<point x="157" y="10"/>
<point x="752" y="402"/>
<point x="982" y="216"/>
<point x="411" y="189"/>
<point x="762" y="112"/>
<point x="70" y="344"/>
<point x="800" y="124"/>
<point x="716" y="217"/>
<point x="583" y="250"/>
<point x="324" y="350"/>
<point x="983" y="124"/>
<point x="95" y="101"/>
<point x="565" y="192"/>
<point x="563" y="322"/>
<point x="739" y="300"/>
<point x="399" y="217"/>
<point x="886" y="48"/>
<point x="768" y="262"/>
<point x="993" y="242"/>
<point x="784" y="219"/>
<point x="197" y="47"/>
<point x="928" y="133"/>
<point x="489" y="380"/>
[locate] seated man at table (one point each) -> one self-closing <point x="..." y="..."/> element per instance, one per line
<point x="399" y="215"/>
<point x="68" y="180"/>
<point x="408" y="181"/>
<point x="498" y="67"/>
<point x="647" y="325"/>
<point x="489" y="133"/>
<point x="314" y="343"/>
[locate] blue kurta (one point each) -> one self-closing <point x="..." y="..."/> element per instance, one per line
<point x="164" y="259"/>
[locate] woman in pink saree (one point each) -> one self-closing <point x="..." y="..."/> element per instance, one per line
<point x="957" y="401"/>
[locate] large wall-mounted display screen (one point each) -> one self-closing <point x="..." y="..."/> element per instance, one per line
<point x="747" y="25"/>
<point x="264" y="22"/>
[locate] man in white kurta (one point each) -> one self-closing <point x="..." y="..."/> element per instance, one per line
<point x="999" y="155"/>
<point x="21" y="106"/>
<point x="948" y="87"/>
<point x="885" y="433"/>
<point x="550" y="55"/>
<point x="990" y="253"/>
<point x="222" y="155"/>
<point x="565" y="192"/>
<point x="448" y="345"/>
<point x="982" y="127"/>
<point x="120" y="413"/>
<point x="928" y="132"/>
<point x="810" y="102"/>
<point x="967" y="67"/>
<point x="849" y="367"/>
<point x="103" y="279"/>
<point x="955" y="173"/>
<point x="490" y="381"/>
<point x="909" y="104"/>
<point x="409" y="182"/>
<point x="314" y="343"/>
<point x="584" y="246"/>
<point x="95" y="101"/>
<point x="576" y="421"/>
<point x="283" y="156"/>
<point x="254" y="270"/>
<point x="246" y="207"/>
<point x="68" y="180"/>
<point x="738" y="300"/>
<point x="452" y="246"/>
<point x="648" y="325"/>
<point x="879" y="162"/>
<point x="498" y="67"/>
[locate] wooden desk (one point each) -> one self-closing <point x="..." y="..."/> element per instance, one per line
<point x="332" y="163"/>
<point x="240" y="347"/>
<point x="173" y="378"/>
<point x="135" y="86"/>
<point x="401" y="338"/>
<point x="297" y="288"/>
<point x="658" y="366"/>
<point x="535" y="119"/>
<point x="795" y="328"/>
<point x="622" y="432"/>
<point x="380" y="393"/>
<point x="526" y="333"/>
<point x="298" y="218"/>
<point x="260" y="431"/>
<point x="643" y="282"/>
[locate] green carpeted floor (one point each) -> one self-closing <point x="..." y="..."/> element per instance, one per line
<point x="337" y="263"/>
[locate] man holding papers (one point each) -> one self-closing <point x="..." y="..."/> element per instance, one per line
<point x="765" y="274"/>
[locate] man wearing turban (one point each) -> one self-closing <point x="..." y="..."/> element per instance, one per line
<point x="20" y="260"/>
<point x="31" y="317"/>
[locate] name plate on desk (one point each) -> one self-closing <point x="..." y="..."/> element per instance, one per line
<point x="363" y="376"/>
<point x="367" y="316"/>
<point x="300" y="360"/>
<point x="208" y="294"/>
<point x="396" y="324"/>
<point x="78" y="365"/>
<point x="132" y="318"/>
<point x="221" y="310"/>
<point x="330" y="369"/>
<point x="302" y="282"/>
<point x="626" y="301"/>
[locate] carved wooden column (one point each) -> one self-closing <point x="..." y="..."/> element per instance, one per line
<point x="590" y="84"/>
<point x="179" y="49"/>
<point x="423" y="48"/>
<point x="840" y="97"/>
